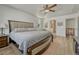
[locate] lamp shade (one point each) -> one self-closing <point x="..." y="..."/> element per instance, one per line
<point x="3" y="26"/>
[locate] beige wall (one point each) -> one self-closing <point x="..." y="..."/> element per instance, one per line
<point x="61" y="30"/>
<point x="7" y="13"/>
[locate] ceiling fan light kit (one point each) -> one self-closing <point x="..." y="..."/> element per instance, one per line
<point x="48" y="8"/>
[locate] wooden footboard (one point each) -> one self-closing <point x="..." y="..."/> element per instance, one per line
<point x="40" y="46"/>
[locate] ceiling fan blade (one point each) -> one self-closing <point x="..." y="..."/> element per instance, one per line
<point x="53" y="6"/>
<point x="52" y="10"/>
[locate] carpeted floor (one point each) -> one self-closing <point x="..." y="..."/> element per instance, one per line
<point x="60" y="46"/>
<point x="9" y="50"/>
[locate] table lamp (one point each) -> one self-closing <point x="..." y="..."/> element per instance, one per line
<point x="2" y="27"/>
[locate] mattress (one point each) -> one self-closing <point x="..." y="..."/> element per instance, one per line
<point x="27" y="39"/>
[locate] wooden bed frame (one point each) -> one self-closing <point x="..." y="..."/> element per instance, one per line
<point x="30" y="25"/>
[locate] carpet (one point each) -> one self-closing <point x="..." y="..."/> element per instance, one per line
<point x="10" y="50"/>
<point x="59" y="46"/>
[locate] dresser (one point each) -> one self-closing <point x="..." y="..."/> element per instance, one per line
<point x="3" y="41"/>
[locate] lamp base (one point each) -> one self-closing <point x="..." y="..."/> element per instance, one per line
<point x="2" y="31"/>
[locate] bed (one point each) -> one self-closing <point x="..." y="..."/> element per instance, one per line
<point x="31" y="42"/>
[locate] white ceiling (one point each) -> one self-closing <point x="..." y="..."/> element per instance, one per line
<point x="61" y="9"/>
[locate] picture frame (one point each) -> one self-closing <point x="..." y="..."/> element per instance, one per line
<point x="60" y="23"/>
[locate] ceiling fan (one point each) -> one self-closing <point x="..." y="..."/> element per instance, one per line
<point x="49" y="8"/>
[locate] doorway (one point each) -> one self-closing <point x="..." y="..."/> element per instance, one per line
<point x="70" y="27"/>
<point x="53" y="26"/>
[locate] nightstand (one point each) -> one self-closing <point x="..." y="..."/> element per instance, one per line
<point x="3" y="40"/>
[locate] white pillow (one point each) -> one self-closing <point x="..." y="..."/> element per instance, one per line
<point x="27" y="29"/>
<point x="35" y="29"/>
<point x="19" y="29"/>
<point x="24" y="29"/>
<point x="31" y="29"/>
<point x="39" y="29"/>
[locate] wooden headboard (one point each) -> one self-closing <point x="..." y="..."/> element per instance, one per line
<point x="19" y="24"/>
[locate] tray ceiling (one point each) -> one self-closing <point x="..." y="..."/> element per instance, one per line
<point x="61" y="9"/>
